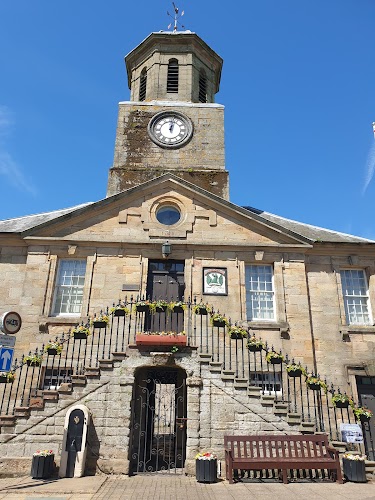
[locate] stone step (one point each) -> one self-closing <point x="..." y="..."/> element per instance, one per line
<point x="307" y="427"/>
<point x="204" y="357"/>
<point x="79" y="380"/>
<point x="7" y="420"/>
<point x="215" y="367"/>
<point x="267" y="400"/>
<point x="253" y="391"/>
<point x="294" y="418"/>
<point x="119" y="356"/>
<point x="240" y="383"/>
<point x="22" y="412"/>
<point x="50" y="395"/>
<point x="92" y="371"/>
<point x="280" y="409"/>
<point x="106" y="364"/>
<point x="227" y="375"/>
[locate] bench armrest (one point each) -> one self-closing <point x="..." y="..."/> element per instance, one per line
<point x="333" y="453"/>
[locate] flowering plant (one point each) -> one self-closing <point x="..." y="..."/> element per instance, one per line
<point x="312" y="380"/>
<point x="54" y="345"/>
<point x="171" y="334"/>
<point x="178" y="305"/>
<point x="205" y="456"/>
<point x="33" y="359"/>
<point x="100" y="317"/>
<point x="254" y="342"/>
<point x="158" y="305"/>
<point x="274" y="355"/>
<point x="119" y="307"/>
<point x="81" y="329"/>
<point x="43" y="453"/>
<point x="237" y="331"/>
<point x="294" y="367"/>
<point x="201" y="308"/>
<point x="341" y="398"/>
<point x="217" y="317"/>
<point x="8" y="375"/>
<point x="350" y="456"/>
<point x="362" y="411"/>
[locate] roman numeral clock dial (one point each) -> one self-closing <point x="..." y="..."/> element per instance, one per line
<point x="170" y="129"/>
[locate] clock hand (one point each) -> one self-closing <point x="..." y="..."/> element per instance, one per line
<point x="171" y="126"/>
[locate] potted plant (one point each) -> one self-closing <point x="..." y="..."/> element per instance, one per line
<point x="33" y="359"/>
<point x="42" y="466"/>
<point x="236" y="332"/>
<point x="341" y="400"/>
<point x="142" y="306"/>
<point x="295" y="370"/>
<point x="81" y="332"/>
<point x="255" y="345"/>
<point x="362" y="413"/>
<point x="100" y="320"/>
<point x="218" y="320"/>
<point x="53" y="348"/>
<point x="274" y="358"/>
<point x="6" y="377"/>
<point x="177" y="307"/>
<point x="202" y="309"/>
<point x="315" y="383"/>
<point x="170" y="338"/>
<point x="206" y="467"/>
<point x="119" y="310"/>
<point x="354" y="468"/>
<point x="158" y="306"/>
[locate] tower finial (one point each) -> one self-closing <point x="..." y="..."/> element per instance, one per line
<point x="175" y="18"/>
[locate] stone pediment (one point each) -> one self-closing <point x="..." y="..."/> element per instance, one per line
<point x="130" y="217"/>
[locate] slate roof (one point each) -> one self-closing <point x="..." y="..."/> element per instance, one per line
<point x="308" y="231"/>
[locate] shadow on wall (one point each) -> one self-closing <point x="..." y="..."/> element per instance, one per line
<point x="93" y="451"/>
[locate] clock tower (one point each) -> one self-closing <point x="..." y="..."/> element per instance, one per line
<point x="171" y="123"/>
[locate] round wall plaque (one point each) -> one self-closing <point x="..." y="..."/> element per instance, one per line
<point x="10" y="322"/>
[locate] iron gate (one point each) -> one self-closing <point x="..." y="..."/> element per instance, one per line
<point x="159" y="422"/>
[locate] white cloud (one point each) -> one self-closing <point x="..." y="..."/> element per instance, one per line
<point x="370" y="167"/>
<point x="8" y="166"/>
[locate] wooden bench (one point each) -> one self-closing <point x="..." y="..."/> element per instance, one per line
<point x="280" y="452"/>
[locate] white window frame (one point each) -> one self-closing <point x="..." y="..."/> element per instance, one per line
<point x="256" y="292"/>
<point x="362" y="299"/>
<point x="60" y="286"/>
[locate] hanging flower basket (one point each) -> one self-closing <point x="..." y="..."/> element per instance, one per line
<point x="119" y="311"/>
<point x="6" y="377"/>
<point x="218" y="320"/>
<point x="100" y="321"/>
<point x="142" y="306"/>
<point x="177" y="307"/>
<point x="158" y="306"/>
<point x="236" y="332"/>
<point x="33" y="360"/>
<point x="274" y="358"/>
<point x="362" y="413"/>
<point x="341" y="400"/>
<point x="315" y="383"/>
<point x="254" y="345"/>
<point x="53" y="348"/>
<point x="81" y="332"/>
<point x="295" y="370"/>
<point x="202" y="309"/>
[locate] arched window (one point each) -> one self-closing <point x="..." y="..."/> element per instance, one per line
<point x="202" y="87"/>
<point x="172" y="77"/>
<point x="143" y="85"/>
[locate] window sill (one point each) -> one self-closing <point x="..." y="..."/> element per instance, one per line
<point x="45" y="321"/>
<point x="348" y="330"/>
<point x="281" y="326"/>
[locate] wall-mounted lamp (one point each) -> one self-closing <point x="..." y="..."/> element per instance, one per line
<point x="166" y="250"/>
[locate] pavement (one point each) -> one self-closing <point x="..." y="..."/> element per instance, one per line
<point x="176" y="487"/>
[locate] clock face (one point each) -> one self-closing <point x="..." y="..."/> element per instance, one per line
<point x="170" y="129"/>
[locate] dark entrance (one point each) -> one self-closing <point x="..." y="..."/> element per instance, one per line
<point x="366" y="393"/>
<point x="158" y="432"/>
<point x="166" y="282"/>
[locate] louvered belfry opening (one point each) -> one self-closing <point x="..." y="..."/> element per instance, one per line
<point x="202" y="87"/>
<point x="143" y="85"/>
<point x="172" y="77"/>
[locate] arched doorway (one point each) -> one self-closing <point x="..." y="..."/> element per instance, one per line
<point x="158" y="428"/>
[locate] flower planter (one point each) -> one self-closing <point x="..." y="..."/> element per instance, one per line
<point x="218" y="323"/>
<point x="51" y="351"/>
<point x="178" y="309"/>
<point x="236" y="336"/>
<point x="42" y="467"/>
<point x="206" y="471"/>
<point x="119" y="313"/>
<point x="201" y="312"/>
<point x="342" y="404"/>
<point x="80" y="335"/>
<point x="314" y="387"/>
<point x="354" y="470"/>
<point x="160" y="340"/>
<point x="99" y="324"/>
<point x="5" y="380"/>
<point x="32" y="363"/>
<point x="142" y="308"/>
<point x="275" y="361"/>
<point x="295" y="373"/>
<point x="363" y="419"/>
<point x="160" y="309"/>
<point x="255" y="348"/>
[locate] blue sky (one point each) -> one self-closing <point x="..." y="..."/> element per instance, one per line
<point x="298" y="86"/>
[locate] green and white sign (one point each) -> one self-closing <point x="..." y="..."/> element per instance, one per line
<point x="215" y="281"/>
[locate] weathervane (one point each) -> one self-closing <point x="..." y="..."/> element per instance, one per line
<point x="175" y="17"/>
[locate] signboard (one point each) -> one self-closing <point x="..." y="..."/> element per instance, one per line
<point x="10" y="322"/>
<point x="7" y="341"/>
<point x="6" y="357"/>
<point x="351" y="433"/>
<point x="215" y="281"/>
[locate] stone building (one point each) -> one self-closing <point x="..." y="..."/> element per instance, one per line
<point x="166" y="231"/>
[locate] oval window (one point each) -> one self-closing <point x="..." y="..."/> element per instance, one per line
<point x="168" y="215"/>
